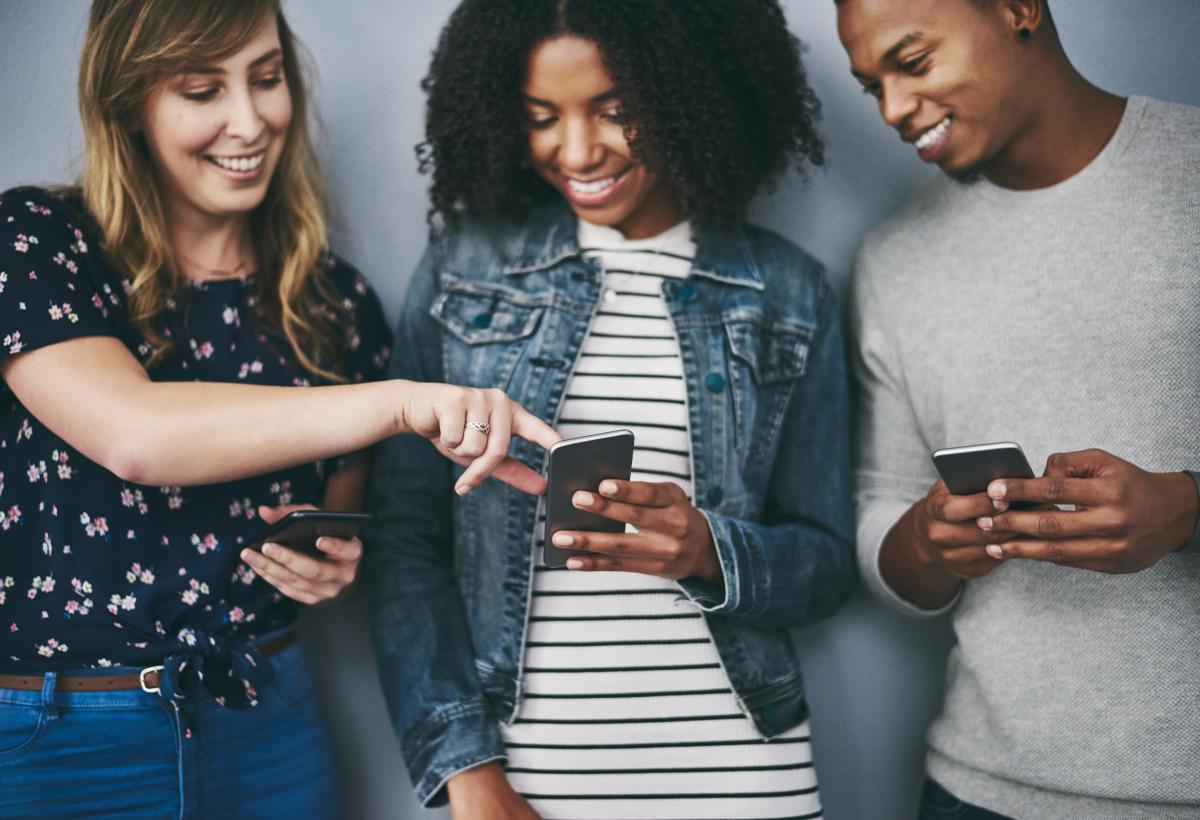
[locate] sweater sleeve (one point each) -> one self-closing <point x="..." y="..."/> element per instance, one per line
<point x="893" y="468"/>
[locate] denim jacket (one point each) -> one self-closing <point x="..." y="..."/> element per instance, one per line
<point x="450" y="579"/>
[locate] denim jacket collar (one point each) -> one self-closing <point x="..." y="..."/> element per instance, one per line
<point x="550" y="237"/>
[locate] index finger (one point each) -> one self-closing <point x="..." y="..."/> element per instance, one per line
<point x="531" y="428"/>
<point x="956" y="509"/>
<point x="1089" y="492"/>
<point x="642" y="493"/>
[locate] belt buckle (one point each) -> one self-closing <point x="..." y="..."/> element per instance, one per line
<point x="142" y="679"/>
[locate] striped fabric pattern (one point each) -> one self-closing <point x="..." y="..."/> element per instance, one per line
<point x="627" y="711"/>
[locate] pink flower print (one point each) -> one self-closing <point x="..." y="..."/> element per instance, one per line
<point x="79" y="246"/>
<point x="237" y="615"/>
<point x="230" y="315"/>
<point x="104" y="662"/>
<point x="55" y="312"/>
<point x="40" y="584"/>
<point x="360" y="285"/>
<point x="5" y="584"/>
<point x="71" y="266"/>
<point x="13" y="516"/>
<point x="64" y="469"/>
<point x="203" y="350"/>
<point x="23" y="242"/>
<point x="283" y="491"/>
<point x="187" y="637"/>
<point x="3" y="279"/>
<point x="244" y="575"/>
<point x="47" y="546"/>
<point x="71" y="607"/>
<point x="37" y="472"/>
<point x="26" y="430"/>
<point x="35" y="208"/>
<point x="13" y="343"/>
<point x="94" y="526"/>
<point x="60" y="258"/>
<point x="208" y="543"/>
<point x="194" y="591"/>
<point x="174" y="496"/>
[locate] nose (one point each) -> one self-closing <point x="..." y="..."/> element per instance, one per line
<point x="244" y="123"/>
<point x="896" y="104"/>
<point x="579" y="149"/>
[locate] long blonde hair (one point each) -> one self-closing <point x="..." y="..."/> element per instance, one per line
<point x="130" y="47"/>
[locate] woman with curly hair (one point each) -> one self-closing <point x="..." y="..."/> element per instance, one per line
<point x="183" y="360"/>
<point x="592" y="163"/>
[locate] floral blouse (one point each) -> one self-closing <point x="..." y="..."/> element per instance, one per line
<point x="96" y="571"/>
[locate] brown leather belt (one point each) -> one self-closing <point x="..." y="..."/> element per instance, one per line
<point x="147" y="679"/>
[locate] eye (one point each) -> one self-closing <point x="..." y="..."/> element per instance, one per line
<point x="916" y="65"/>
<point x="542" y="123"/>
<point x="616" y="116"/>
<point x="269" y="82"/>
<point x="201" y="95"/>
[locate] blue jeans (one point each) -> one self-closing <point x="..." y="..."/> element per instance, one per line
<point x="939" y="804"/>
<point x="131" y="754"/>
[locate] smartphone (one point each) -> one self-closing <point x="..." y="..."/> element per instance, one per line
<point x="969" y="470"/>
<point x="300" y="529"/>
<point x="581" y="464"/>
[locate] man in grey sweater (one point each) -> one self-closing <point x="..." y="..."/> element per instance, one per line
<point x="1045" y="289"/>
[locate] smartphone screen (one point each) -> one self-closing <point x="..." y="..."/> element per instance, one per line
<point x="969" y="470"/>
<point x="580" y="464"/>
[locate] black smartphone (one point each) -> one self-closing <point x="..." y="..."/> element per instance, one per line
<point x="300" y="529"/>
<point x="969" y="470"/>
<point x="580" y="464"/>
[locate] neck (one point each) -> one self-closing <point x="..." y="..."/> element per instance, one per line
<point x="208" y="247"/>
<point x="1069" y="125"/>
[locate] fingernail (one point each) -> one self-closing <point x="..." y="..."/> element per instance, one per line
<point x="984" y="523"/>
<point x="269" y="550"/>
<point x="608" y="487"/>
<point x="462" y="489"/>
<point x="997" y="489"/>
<point x="995" y="551"/>
<point x="584" y="500"/>
<point x="561" y="539"/>
<point x="574" y="563"/>
<point x="245" y="554"/>
<point x="323" y="544"/>
<point x="1000" y="506"/>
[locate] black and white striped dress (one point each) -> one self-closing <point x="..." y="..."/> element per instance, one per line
<point x="627" y="710"/>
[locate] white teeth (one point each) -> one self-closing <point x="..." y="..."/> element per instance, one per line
<point x="593" y="187"/>
<point x="933" y="135"/>
<point x="241" y="164"/>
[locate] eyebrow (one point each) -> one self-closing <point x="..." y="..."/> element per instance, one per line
<point x="604" y="97"/>
<point x="266" y="58"/>
<point x="893" y="52"/>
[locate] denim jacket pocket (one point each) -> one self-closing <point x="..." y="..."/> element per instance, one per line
<point x="767" y="357"/>
<point x="482" y="319"/>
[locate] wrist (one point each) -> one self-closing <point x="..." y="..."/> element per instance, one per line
<point x="398" y="397"/>
<point x="1184" y="487"/>
<point x="483" y="776"/>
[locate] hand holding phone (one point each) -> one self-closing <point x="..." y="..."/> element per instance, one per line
<point x="969" y="470"/>
<point x="286" y="554"/>
<point x="580" y="464"/>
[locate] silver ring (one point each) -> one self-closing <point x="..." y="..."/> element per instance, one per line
<point x="481" y="426"/>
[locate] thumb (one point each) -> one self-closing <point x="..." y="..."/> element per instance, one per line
<point x="270" y="515"/>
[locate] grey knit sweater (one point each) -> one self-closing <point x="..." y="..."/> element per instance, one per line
<point x="1063" y="318"/>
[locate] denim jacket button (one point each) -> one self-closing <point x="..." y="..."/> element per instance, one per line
<point x="687" y="293"/>
<point x="715" y="382"/>
<point x="715" y="496"/>
<point x="482" y="320"/>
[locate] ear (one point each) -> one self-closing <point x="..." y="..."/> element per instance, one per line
<point x="1025" y="15"/>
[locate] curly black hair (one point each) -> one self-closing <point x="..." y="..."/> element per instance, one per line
<point x="714" y="91"/>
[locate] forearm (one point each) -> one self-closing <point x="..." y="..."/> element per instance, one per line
<point x="925" y="585"/>
<point x="184" y="433"/>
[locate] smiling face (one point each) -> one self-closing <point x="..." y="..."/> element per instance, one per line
<point x="946" y="74"/>
<point x="215" y="132"/>
<point x="577" y="141"/>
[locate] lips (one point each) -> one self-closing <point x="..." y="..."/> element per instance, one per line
<point x="932" y="142"/>
<point x="245" y="166"/>
<point x="593" y="192"/>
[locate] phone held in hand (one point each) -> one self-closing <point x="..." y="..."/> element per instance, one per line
<point x="969" y="470"/>
<point x="580" y="464"/>
<point x="300" y="529"/>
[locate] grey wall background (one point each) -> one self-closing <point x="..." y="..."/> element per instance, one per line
<point x="874" y="678"/>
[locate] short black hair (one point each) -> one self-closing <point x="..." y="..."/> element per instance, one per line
<point x="714" y="90"/>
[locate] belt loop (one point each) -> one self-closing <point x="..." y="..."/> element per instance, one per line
<point x="48" y="704"/>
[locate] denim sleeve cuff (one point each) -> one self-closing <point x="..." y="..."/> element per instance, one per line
<point x="709" y="596"/>
<point x="453" y="739"/>
<point x="875" y="520"/>
<point x="735" y="593"/>
<point x="1193" y="546"/>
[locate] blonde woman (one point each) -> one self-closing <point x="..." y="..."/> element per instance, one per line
<point x="181" y="357"/>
